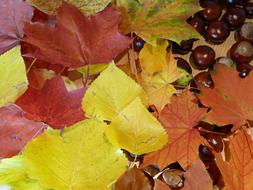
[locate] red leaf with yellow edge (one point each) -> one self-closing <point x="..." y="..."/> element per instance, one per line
<point x="237" y="170"/>
<point x="179" y="119"/>
<point x="14" y="13"/>
<point x="230" y="100"/>
<point x="77" y="40"/>
<point x="16" y="130"/>
<point x="53" y="104"/>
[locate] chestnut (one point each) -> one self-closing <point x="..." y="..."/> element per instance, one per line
<point x="217" y="32"/>
<point x="249" y="10"/>
<point x="198" y="23"/>
<point x="202" y="57"/>
<point x="246" y="32"/>
<point x="212" y="11"/>
<point x="234" y="17"/>
<point x="241" y="52"/>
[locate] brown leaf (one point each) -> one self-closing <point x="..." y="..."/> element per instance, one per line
<point x="197" y="177"/>
<point x="77" y="40"/>
<point x="133" y="179"/>
<point x="237" y="172"/>
<point x="230" y="100"/>
<point x="159" y="185"/>
<point x="179" y="118"/>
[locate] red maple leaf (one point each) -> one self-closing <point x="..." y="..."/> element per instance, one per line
<point x="77" y="40"/>
<point x="13" y="13"/>
<point x="179" y="119"/>
<point x="16" y="130"/>
<point x="53" y="104"/>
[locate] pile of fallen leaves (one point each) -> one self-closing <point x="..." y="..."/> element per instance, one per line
<point x="80" y="109"/>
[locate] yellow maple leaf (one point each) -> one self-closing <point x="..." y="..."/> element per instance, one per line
<point x="13" y="80"/>
<point x="80" y="159"/>
<point x="158" y="86"/>
<point x="110" y="93"/>
<point x="136" y="130"/>
<point x="153" y="58"/>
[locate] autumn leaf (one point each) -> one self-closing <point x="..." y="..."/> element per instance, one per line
<point x="86" y="6"/>
<point x="136" y="130"/>
<point x="229" y="100"/>
<point x="77" y="40"/>
<point x="110" y="93"/>
<point x="115" y="97"/>
<point x="159" y="185"/>
<point x="38" y="77"/>
<point x="82" y="158"/>
<point x="153" y="59"/>
<point x="14" y="13"/>
<point x="179" y="119"/>
<point x="158" y="86"/>
<point x="53" y="104"/>
<point x="133" y="179"/>
<point x="12" y="76"/>
<point x="156" y="19"/>
<point x="16" y="130"/>
<point x="197" y="177"/>
<point x="14" y="176"/>
<point x="237" y="171"/>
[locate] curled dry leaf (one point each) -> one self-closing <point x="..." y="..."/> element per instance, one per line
<point x="179" y="119"/>
<point x="77" y="40"/>
<point x="237" y="170"/>
<point x="133" y="179"/>
<point x="229" y="100"/>
<point x="53" y="104"/>
<point x="13" y="14"/>
<point x="16" y="130"/>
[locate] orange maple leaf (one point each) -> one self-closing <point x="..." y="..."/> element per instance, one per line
<point x="231" y="99"/>
<point x="179" y="119"/>
<point x="237" y="171"/>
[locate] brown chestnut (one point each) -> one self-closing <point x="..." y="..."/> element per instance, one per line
<point x="241" y="52"/>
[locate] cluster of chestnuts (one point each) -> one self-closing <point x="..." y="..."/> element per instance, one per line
<point x="214" y="22"/>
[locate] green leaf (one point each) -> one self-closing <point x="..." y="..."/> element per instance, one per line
<point x="153" y="19"/>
